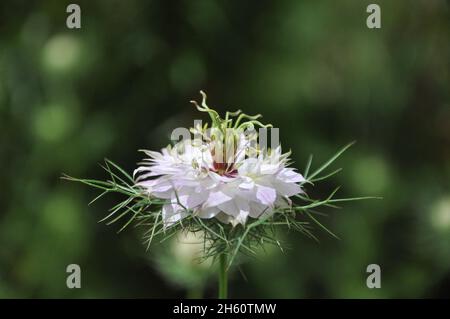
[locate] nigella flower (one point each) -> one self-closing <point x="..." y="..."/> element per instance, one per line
<point x="192" y="181"/>
<point x="225" y="184"/>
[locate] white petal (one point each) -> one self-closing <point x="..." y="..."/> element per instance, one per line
<point x="196" y="199"/>
<point x="256" y="209"/>
<point x="172" y="213"/>
<point x="224" y="218"/>
<point x="229" y="208"/>
<point x="266" y="195"/>
<point x="289" y="175"/>
<point x="247" y="184"/>
<point x="269" y="168"/>
<point x="208" y="212"/>
<point x="287" y="189"/>
<point x="244" y="210"/>
<point x="217" y="198"/>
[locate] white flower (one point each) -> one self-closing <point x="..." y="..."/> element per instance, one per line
<point x="192" y="180"/>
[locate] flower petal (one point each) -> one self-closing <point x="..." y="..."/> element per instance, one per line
<point x="266" y="195"/>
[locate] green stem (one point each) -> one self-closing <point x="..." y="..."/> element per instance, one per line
<point x="223" y="277"/>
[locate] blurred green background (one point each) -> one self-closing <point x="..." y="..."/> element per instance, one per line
<point x="69" y="98"/>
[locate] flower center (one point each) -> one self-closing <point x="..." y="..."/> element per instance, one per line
<point x="225" y="169"/>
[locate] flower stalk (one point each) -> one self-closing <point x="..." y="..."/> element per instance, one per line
<point x="223" y="277"/>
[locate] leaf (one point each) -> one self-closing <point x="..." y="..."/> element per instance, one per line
<point x="330" y="161"/>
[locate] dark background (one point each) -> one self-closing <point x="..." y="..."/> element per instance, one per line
<point x="69" y="98"/>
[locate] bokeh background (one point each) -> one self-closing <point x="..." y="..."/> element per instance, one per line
<point x="69" y="98"/>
